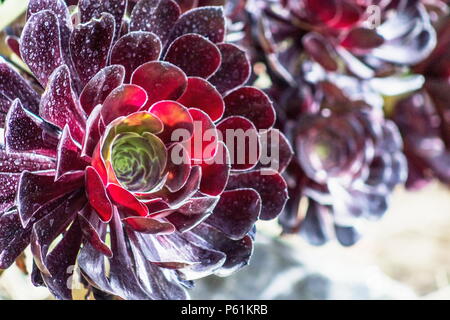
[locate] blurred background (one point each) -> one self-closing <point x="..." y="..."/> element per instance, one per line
<point x="404" y="256"/>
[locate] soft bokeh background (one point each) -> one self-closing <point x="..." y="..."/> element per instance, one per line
<point x="404" y="256"/>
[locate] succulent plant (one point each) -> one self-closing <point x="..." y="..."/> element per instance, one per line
<point x="105" y="165"/>
<point x="331" y="65"/>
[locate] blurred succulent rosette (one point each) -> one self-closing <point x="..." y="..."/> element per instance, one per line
<point x="116" y="160"/>
<point x="333" y="69"/>
<point x="423" y="116"/>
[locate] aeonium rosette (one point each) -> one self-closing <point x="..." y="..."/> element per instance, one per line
<point x="142" y="163"/>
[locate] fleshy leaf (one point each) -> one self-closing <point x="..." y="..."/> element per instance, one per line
<point x="207" y="21"/>
<point x="127" y="200"/>
<point x="277" y="152"/>
<point x="251" y="103"/>
<point x="157" y="16"/>
<point x="203" y="144"/>
<point x="68" y="155"/>
<point x="93" y="9"/>
<point x="185" y="222"/>
<point x="149" y="225"/>
<point x="90" y="45"/>
<point x="96" y="194"/>
<point x="123" y="101"/>
<point x="215" y="173"/>
<point x="100" y="86"/>
<point x="202" y="95"/>
<point x="195" y="55"/>
<point x="22" y="134"/>
<point x="94" y="230"/>
<point x="13" y="86"/>
<point x="174" y="117"/>
<point x="59" y="104"/>
<point x="236" y="212"/>
<point x="40" y="45"/>
<point x="234" y="70"/>
<point x="178" y="167"/>
<point x="242" y="141"/>
<point x="35" y="190"/>
<point x="161" y="80"/>
<point x="270" y="185"/>
<point x="135" y="49"/>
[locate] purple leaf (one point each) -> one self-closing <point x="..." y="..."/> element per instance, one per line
<point x="157" y="16"/>
<point x="161" y="80"/>
<point x="251" y="103"/>
<point x="90" y="45"/>
<point x="234" y="70"/>
<point x="13" y="86"/>
<point x="100" y="86"/>
<point x="270" y="185"/>
<point x="35" y="190"/>
<point x="236" y="212"/>
<point x="59" y="104"/>
<point x="134" y="49"/>
<point x="23" y="135"/>
<point x="40" y="45"/>
<point x="208" y="22"/>
<point x="93" y="9"/>
<point x="195" y="55"/>
<point x="68" y="159"/>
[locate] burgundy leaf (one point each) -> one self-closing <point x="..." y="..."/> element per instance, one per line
<point x="8" y="190"/>
<point x="195" y="55"/>
<point x="35" y="190"/>
<point x="59" y="104"/>
<point x="174" y="117"/>
<point x="100" y="86"/>
<point x="94" y="231"/>
<point x="90" y="45"/>
<point x="13" y="238"/>
<point x="134" y="49"/>
<point x="215" y="173"/>
<point x="185" y="222"/>
<point x="203" y="144"/>
<point x="92" y="135"/>
<point x="122" y="101"/>
<point x="251" y="103"/>
<point x="13" y="86"/>
<point x="40" y="45"/>
<point x="242" y="141"/>
<point x="149" y="225"/>
<point x="234" y="70"/>
<point x="198" y="205"/>
<point x="276" y="150"/>
<point x="157" y="16"/>
<point x="270" y="185"/>
<point x="23" y="135"/>
<point x="161" y="80"/>
<point x="202" y="95"/>
<point x="93" y="9"/>
<point x="178" y="167"/>
<point x="14" y="45"/>
<point x="61" y="263"/>
<point x="46" y="230"/>
<point x="126" y="200"/>
<point x="238" y="252"/>
<point x="68" y="155"/>
<point x="236" y="212"/>
<point x="208" y="22"/>
<point x="97" y="195"/>
<point x="18" y="162"/>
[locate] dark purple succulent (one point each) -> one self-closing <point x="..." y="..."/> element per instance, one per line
<point x="424" y="116"/>
<point x="325" y="61"/>
<point x="89" y="172"/>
